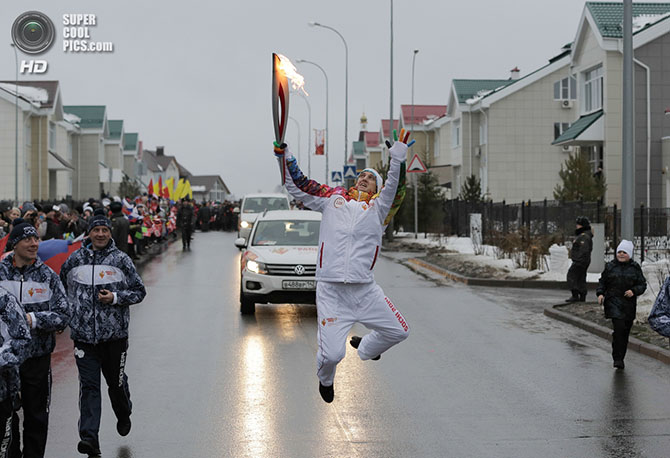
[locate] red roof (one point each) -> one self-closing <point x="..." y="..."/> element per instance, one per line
<point x="386" y="133"/>
<point x="371" y="139"/>
<point x="422" y="113"/>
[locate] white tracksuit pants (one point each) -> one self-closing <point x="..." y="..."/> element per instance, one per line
<point x="339" y="306"/>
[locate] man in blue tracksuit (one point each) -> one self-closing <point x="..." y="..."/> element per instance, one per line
<point x="46" y="310"/>
<point x="101" y="282"/>
<point x="14" y="342"/>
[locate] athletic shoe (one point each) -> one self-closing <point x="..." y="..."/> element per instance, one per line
<point x="327" y="393"/>
<point x="356" y="341"/>
<point x="123" y="426"/>
<point x="619" y="364"/>
<point x="88" y="448"/>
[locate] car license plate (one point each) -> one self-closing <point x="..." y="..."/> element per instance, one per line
<point x="298" y="284"/>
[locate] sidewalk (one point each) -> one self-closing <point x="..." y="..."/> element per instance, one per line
<point x="592" y="326"/>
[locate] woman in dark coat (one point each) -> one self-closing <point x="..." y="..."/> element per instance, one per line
<point x="581" y="259"/>
<point x="620" y="284"/>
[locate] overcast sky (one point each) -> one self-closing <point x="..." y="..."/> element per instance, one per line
<point x="195" y="76"/>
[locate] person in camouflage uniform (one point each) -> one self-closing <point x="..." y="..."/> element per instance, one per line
<point x="101" y="283"/>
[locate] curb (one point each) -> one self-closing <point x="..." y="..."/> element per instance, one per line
<point x="540" y="284"/>
<point x="660" y="354"/>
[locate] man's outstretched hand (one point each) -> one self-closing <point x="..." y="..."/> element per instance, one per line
<point x="399" y="148"/>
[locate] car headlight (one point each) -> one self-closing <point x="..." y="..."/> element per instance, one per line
<point x="256" y="267"/>
<point x="245" y="224"/>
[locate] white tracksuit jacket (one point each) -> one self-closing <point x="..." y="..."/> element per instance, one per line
<point x="350" y="239"/>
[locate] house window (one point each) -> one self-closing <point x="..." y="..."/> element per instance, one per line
<point x="593" y="89"/>
<point x="456" y="134"/>
<point x="559" y="128"/>
<point x="565" y="89"/>
<point x="52" y="136"/>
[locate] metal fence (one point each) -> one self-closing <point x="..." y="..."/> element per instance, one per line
<point x="550" y="217"/>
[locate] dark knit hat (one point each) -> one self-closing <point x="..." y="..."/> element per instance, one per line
<point x="21" y="230"/>
<point x="116" y="207"/>
<point x="99" y="218"/>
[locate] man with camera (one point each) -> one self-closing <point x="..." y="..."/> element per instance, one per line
<point x="101" y="283"/>
<point x="41" y="295"/>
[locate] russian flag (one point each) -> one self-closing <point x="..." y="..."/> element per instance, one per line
<point x="55" y="252"/>
<point x="127" y="207"/>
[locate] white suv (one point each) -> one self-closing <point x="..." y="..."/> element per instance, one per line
<point x="279" y="259"/>
<point x="253" y="205"/>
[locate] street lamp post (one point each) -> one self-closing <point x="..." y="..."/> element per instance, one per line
<point x="309" y="135"/>
<point x="297" y="124"/>
<point x="16" y="129"/>
<point x="327" y="131"/>
<point x="416" y="176"/>
<point x="346" y="86"/>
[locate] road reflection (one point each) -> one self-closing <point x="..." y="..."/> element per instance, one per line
<point x="619" y="441"/>
<point x="255" y="415"/>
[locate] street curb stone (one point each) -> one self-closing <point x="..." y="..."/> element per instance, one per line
<point x="660" y="354"/>
<point x="540" y="284"/>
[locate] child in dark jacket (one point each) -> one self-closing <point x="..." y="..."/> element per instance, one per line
<point x="619" y="286"/>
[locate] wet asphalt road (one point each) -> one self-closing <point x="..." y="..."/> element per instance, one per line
<point x="483" y="374"/>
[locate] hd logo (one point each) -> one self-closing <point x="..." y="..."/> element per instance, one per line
<point x="33" y="33"/>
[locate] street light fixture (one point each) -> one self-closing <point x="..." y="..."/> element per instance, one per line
<point x="300" y="61"/>
<point x="16" y="129"/>
<point x="346" y="86"/>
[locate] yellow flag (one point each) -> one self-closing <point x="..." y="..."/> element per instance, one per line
<point x="179" y="190"/>
<point x="187" y="189"/>
<point x="169" y="183"/>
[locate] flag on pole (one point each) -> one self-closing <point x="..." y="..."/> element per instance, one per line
<point x="159" y="192"/>
<point x="187" y="190"/>
<point x="170" y="186"/>
<point x="150" y="188"/>
<point x="319" y="141"/>
<point x="179" y="189"/>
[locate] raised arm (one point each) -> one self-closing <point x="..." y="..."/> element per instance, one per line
<point x="393" y="192"/>
<point x="310" y="192"/>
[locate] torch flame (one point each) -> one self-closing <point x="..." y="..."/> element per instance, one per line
<point x="297" y="80"/>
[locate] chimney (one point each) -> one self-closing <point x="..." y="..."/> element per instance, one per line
<point x="160" y="151"/>
<point x="514" y="73"/>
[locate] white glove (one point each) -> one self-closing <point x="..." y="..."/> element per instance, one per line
<point x="399" y="151"/>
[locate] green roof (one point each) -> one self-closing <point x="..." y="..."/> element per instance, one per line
<point x="467" y="89"/>
<point x="359" y="148"/>
<point x="609" y="15"/>
<point x="92" y="116"/>
<point x="578" y="127"/>
<point x="115" y="129"/>
<point x="130" y="141"/>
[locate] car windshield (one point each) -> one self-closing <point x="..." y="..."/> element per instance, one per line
<point x="287" y="233"/>
<point x="260" y="204"/>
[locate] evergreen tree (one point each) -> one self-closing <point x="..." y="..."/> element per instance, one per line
<point x="579" y="181"/>
<point x="129" y="188"/>
<point x="471" y="191"/>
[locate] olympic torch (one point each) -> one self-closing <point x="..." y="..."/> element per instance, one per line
<point x="279" y="107"/>
<point x="282" y="71"/>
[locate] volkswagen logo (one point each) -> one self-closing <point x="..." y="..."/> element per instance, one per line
<point x="299" y="270"/>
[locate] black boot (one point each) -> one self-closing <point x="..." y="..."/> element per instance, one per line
<point x="356" y="341"/>
<point x="575" y="296"/>
<point x="327" y="392"/>
<point x="582" y="297"/>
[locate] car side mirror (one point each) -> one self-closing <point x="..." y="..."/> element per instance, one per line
<point x="241" y="242"/>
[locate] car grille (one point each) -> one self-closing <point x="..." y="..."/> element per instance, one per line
<point x="288" y="270"/>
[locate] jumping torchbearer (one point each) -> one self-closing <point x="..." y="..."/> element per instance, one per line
<point x="349" y="242"/>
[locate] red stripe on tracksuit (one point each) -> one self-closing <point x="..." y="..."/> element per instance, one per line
<point x="375" y="259"/>
<point x="321" y="256"/>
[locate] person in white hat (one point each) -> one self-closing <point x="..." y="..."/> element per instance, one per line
<point x="349" y="242"/>
<point x="619" y="286"/>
